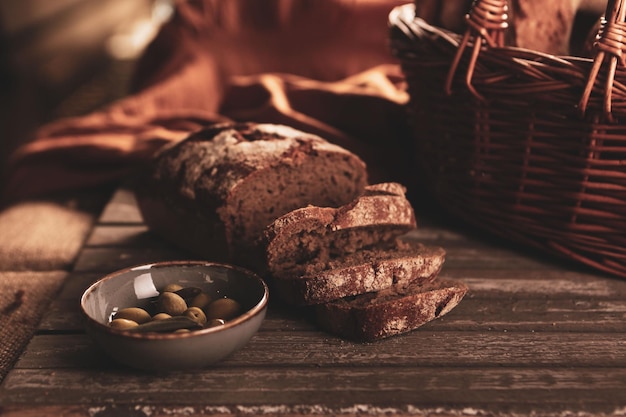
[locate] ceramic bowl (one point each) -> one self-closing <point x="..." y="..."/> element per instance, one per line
<point x="157" y="351"/>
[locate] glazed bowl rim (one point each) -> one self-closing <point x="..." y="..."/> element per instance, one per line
<point x="251" y="313"/>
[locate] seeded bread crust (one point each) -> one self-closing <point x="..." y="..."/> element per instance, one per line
<point x="389" y="312"/>
<point x="359" y="272"/>
<point x="216" y="191"/>
<point x="316" y="234"/>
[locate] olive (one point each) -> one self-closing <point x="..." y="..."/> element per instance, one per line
<point x="188" y="292"/>
<point x="223" y="308"/>
<point x="178" y="309"/>
<point x="172" y="288"/>
<point x="136" y="314"/>
<point x="196" y="314"/>
<point x="123" y="324"/>
<point x="170" y="303"/>
<point x="201" y="300"/>
<point x="167" y="325"/>
<point x="215" y="322"/>
<point x="161" y="316"/>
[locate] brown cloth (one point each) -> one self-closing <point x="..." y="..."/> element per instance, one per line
<point x="322" y="66"/>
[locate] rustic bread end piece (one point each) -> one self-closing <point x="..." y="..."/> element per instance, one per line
<point x="315" y="234"/>
<point x="390" y="312"/>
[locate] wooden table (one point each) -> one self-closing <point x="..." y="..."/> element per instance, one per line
<point x="532" y="337"/>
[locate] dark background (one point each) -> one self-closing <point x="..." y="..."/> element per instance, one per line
<point x="62" y="58"/>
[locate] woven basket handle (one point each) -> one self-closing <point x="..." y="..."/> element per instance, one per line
<point x="487" y="23"/>
<point x="609" y="50"/>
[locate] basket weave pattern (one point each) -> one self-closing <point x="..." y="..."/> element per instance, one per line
<point x="528" y="145"/>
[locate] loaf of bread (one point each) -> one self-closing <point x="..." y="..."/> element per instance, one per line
<point x="216" y="191"/>
<point x="389" y="312"/>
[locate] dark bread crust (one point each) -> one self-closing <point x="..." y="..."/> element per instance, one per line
<point x="313" y="235"/>
<point x="361" y="272"/>
<point x="215" y="192"/>
<point x="390" y="312"/>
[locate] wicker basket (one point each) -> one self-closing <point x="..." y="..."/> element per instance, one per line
<point x="527" y="145"/>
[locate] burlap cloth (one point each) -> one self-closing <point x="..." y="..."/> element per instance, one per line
<point x="319" y="65"/>
<point x="39" y="241"/>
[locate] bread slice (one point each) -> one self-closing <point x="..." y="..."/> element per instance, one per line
<point x="366" y="270"/>
<point x="314" y="235"/>
<point x="389" y="312"/>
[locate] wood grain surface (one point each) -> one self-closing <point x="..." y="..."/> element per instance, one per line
<point x="533" y="337"/>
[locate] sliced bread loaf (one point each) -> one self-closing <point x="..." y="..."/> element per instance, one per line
<point x="351" y="264"/>
<point x="215" y="192"/>
<point x="389" y="312"/>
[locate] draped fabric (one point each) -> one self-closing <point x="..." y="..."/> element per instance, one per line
<point x="322" y="66"/>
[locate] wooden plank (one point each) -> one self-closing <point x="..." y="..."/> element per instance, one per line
<point x="122" y="209"/>
<point x="487" y="257"/>
<point x="421" y="348"/>
<point x="463" y="248"/>
<point x="435" y="233"/>
<point x="106" y="260"/>
<point x="64" y="317"/>
<point x="122" y="410"/>
<point x="494" y="390"/>
<point x="102" y="258"/>
<point x="137" y="235"/>
<point x="478" y="314"/>
<point x="358" y="410"/>
<point x="491" y="274"/>
<point x="460" y="252"/>
<point x="134" y="235"/>
<point x="123" y="218"/>
<point x="546" y="284"/>
<point x="74" y="286"/>
<point x="454" y="239"/>
<point x="538" y="301"/>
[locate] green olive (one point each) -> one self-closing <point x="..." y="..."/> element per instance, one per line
<point x="170" y="303"/>
<point x="215" y="322"/>
<point x="172" y="288"/>
<point x="178" y="309"/>
<point x="136" y="314"/>
<point x="161" y="316"/>
<point x="188" y="292"/>
<point x="167" y="325"/>
<point x="123" y="324"/>
<point x="196" y="314"/>
<point x="223" y="308"/>
<point x="201" y="300"/>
